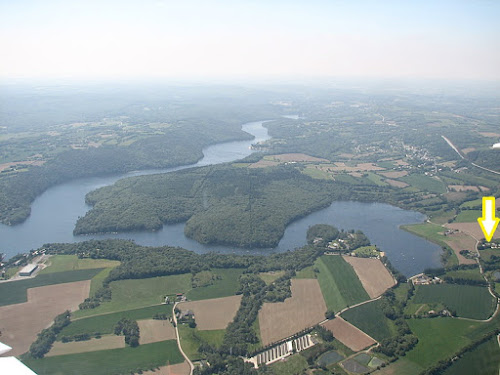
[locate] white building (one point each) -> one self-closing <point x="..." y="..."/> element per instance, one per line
<point x="28" y="270"/>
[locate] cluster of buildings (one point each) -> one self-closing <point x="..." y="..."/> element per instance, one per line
<point x="423" y="279"/>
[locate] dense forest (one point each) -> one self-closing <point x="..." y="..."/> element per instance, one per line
<point x="246" y="207"/>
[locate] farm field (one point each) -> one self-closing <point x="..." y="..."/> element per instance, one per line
<point x="461" y="241"/>
<point x="472" y="229"/>
<point x="213" y="314"/>
<point x="61" y="263"/>
<point x="137" y="293"/>
<point x="304" y="309"/>
<point x="468" y="216"/>
<point x="438" y="338"/>
<point x="349" y="335"/>
<point x="295" y="364"/>
<point x="192" y="338"/>
<point x="105" y="323"/>
<point x="226" y="286"/>
<point x="152" y="330"/>
<point x="401" y="367"/>
<point x="468" y="301"/>
<point x="109" y="362"/>
<point x="370" y="319"/>
<point x="374" y="277"/>
<point x="425" y="183"/>
<point x="92" y="345"/>
<point x="430" y="231"/>
<point x="472" y="274"/>
<point x="15" y="291"/>
<point x="48" y="301"/>
<point x="339" y="283"/>
<point x="484" y="360"/>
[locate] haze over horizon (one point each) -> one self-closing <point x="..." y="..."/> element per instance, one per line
<point x="452" y="40"/>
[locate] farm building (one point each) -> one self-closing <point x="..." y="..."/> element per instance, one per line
<point x="28" y="270"/>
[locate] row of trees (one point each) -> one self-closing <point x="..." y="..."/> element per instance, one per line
<point x="46" y="338"/>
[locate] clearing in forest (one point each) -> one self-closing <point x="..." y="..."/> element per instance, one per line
<point x="304" y="309"/>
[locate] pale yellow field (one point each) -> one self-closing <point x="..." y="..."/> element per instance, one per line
<point x="304" y="309"/>
<point x="152" y="330"/>
<point x="215" y="313"/>
<point x="20" y="323"/>
<point x="374" y="277"/>
<point x="93" y="345"/>
<point x="349" y="335"/>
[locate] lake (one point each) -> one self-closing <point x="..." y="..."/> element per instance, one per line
<point x="54" y="214"/>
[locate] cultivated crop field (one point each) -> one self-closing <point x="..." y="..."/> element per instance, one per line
<point x="92" y="345"/>
<point x="485" y="360"/>
<point x="61" y="263"/>
<point x="468" y="301"/>
<point x="15" y="291"/>
<point x="339" y="283"/>
<point x="304" y="309"/>
<point x="370" y="319"/>
<point x="472" y="229"/>
<point x="348" y="334"/>
<point x="106" y="323"/>
<point x="138" y="293"/>
<point x="109" y="362"/>
<point x="374" y="277"/>
<point x="461" y="241"/>
<point x="155" y="331"/>
<point x="211" y="314"/>
<point x="44" y="304"/>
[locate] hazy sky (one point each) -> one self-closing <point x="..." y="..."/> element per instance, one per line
<point x="223" y="39"/>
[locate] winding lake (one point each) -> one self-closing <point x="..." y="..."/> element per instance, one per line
<point x="55" y="212"/>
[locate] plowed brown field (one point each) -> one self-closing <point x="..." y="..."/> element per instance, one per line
<point x="20" y="323"/>
<point x="376" y="279"/>
<point x="304" y="309"/>
<point x="215" y="313"/>
<point x="349" y="335"/>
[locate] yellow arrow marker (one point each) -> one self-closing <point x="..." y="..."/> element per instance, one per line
<point x="488" y="222"/>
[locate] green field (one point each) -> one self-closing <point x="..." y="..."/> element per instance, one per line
<point x="425" y="183"/>
<point x="484" y="360"/>
<point x="269" y="277"/>
<point x="295" y="364"/>
<point x="306" y="273"/>
<point x="429" y="231"/>
<point x="370" y="319"/>
<point x="105" y="323"/>
<point x="97" y="280"/>
<point x="137" y="293"/>
<point x="376" y="179"/>
<point x="472" y="274"/>
<point x="468" y="216"/>
<point x="226" y="286"/>
<point x="467" y="301"/>
<point x="109" y="362"/>
<point x="438" y="338"/>
<point x="339" y="283"/>
<point x="61" y="263"/>
<point x="15" y="291"/>
<point x="192" y="338"/>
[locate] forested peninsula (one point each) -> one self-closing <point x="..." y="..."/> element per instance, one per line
<point x="244" y="207"/>
<point x="179" y="145"/>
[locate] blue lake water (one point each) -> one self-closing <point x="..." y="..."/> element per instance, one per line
<point x="54" y="214"/>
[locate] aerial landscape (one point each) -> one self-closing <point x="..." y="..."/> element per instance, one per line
<point x="240" y="204"/>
